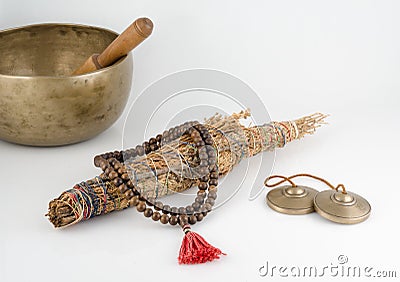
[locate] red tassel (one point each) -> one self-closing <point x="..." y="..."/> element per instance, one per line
<point x="195" y="249"/>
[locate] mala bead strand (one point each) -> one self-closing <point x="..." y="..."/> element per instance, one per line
<point x="198" y="204"/>
<point x="115" y="170"/>
<point x="196" y="133"/>
<point x="200" y="137"/>
<point x="158" y="206"/>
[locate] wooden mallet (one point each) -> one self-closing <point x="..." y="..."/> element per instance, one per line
<point x="135" y="34"/>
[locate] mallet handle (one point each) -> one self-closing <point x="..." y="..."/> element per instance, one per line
<point x="135" y="34"/>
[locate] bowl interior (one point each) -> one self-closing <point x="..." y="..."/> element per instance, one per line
<point x="50" y="49"/>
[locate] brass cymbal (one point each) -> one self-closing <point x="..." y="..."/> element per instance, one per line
<point x="290" y="199"/>
<point x="346" y="208"/>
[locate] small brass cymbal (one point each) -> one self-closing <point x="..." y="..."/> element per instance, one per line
<point x="346" y="208"/>
<point x="290" y="199"/>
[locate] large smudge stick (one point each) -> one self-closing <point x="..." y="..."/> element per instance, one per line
<point x="169" y="169"/>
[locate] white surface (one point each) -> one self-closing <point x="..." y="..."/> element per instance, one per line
<point x="337" y="57"/>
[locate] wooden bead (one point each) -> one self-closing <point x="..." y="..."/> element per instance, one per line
<point x="183" y="219"/>
<point x="182" y="210"/>
<point x="125" y="177"/>
<point x="197" y="126"/>
<point x="133" y="153"/>
<point x="164" y="219"/>
<point x="152" y="140"/>
<point x="127" y="154"/>
<point x="112" y="161"/>
<point x="129" y="194"/>
<point x="212" y="188"/>
<point x="199" y="216"/>
<point x="204" y="178"/>
<point x="199" y="144"/>
<point x="210" y="201"/>
<point x="174" y="210"/>
<point x="213" y="182"/>
<point x="158" y="205"/>
<point x="146" y="147"/>
<point x="207" y="207"/>
<point x="129" y="184"/>
<point x="140" y="150"/>
<point x="148" y="212"/>
<point x="123" y="188"/>
<point x="153" y="147"/>
<point x="130" y="203"/>
<point x="214" y="175"/>
<point x="98" y="160"/>
<point x="141" y="206"/>
<point x="203" y="186"/>
<point x="113" y="175"/>
<point x="108" y="170"/>
<point x="117" y="165"/>
<point x="135" y="200"/>
<point x="196" y="206"/>
<point x="192" y="219"/>
<point x="189" y="210"/>
<point x="195" y="135"/>
<point x="199" y="199"/>
<point x="173" y="220"/>
<point x="118" y="181"/>
<point x="166" y="209"/>
<point x="156" y="216"/>
<point x="212" y="194"/>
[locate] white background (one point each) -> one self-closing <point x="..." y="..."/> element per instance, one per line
<point x="337" y="57"/>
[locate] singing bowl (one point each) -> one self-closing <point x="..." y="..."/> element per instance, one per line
<point x="41" y="103"/>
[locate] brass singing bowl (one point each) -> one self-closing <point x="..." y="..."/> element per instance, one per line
<point x="41" y="104"/>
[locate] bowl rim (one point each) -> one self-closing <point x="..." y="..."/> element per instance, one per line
<point x="118" y="62"/>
